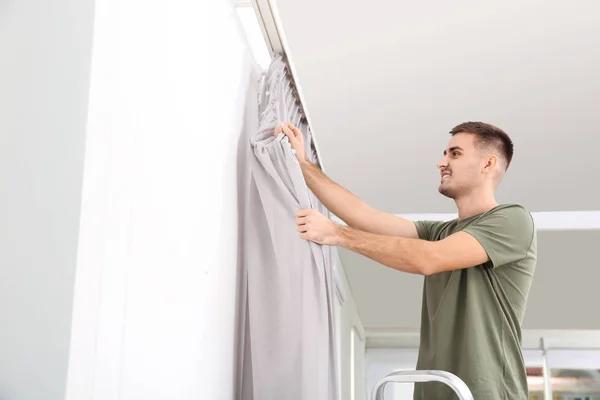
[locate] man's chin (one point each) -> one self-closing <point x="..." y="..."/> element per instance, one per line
<point x="445" y="191"/>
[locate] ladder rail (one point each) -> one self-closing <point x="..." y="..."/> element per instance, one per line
<point x="459" y="387"/>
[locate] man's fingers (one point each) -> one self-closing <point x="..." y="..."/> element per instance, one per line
<point x="279" y="129"/>
<point x="289" y="129"/>
<point x="289" y="133"/>
<point x="282" y="127"/>
<point x="302" y="213"/>
<point x="295" y="130"/>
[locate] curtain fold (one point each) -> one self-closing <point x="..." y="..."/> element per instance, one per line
<point x="288" y="339"/>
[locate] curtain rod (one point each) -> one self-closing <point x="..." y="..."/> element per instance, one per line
<point x="270" y="25"/>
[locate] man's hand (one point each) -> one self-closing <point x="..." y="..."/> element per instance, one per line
<point x="296" y="140"/>
<point x="317" y="228"/>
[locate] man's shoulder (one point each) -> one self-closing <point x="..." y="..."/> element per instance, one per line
<point x="510" y="207"/>
<point x="507" y="233"/>
<point x="508" y="218"/>
<point x="511" y="213"/>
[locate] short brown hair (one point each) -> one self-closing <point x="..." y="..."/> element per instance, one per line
<point x="488" y="135"/>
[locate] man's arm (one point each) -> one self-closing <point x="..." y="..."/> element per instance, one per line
<point x="351" y="209"/>
<point x="340" y="201"/>
<point x="415" y="256"/>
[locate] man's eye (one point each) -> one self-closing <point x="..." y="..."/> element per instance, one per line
<point x="456" y="154"/>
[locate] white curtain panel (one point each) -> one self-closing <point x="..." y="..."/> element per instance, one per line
<point x="288" y="346"/>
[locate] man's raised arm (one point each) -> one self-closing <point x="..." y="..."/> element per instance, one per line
<point x="340" y="201"/>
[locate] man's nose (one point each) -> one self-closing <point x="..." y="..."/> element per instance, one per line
<point x="442" y="163"/>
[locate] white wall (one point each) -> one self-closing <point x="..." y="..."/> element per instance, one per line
<point x="155" y="263"/>
<point x="44" y="77"/>
<point x="156" y="280"/>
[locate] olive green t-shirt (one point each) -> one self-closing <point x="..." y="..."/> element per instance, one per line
<point x="471" y="318"/>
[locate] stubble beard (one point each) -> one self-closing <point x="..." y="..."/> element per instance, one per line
<point x="448" y="191"/>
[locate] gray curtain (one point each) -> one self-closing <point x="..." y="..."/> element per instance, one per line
<point x="287" y="348"/>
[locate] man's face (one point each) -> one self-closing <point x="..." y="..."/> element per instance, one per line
<point x="460" y="167"/>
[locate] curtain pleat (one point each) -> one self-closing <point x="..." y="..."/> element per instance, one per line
<point x="288" y="347"/>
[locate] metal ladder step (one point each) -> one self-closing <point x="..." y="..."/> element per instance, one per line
<point x="459" y="387"/>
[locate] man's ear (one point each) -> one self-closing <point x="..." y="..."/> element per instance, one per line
<point x="491" y="163"/>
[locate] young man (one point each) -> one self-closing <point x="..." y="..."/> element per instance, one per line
<point x="478" y="268"/>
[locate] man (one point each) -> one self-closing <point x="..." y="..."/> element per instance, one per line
<point x="478" y="268"/>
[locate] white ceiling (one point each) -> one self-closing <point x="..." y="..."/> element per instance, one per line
<point x="383" y="84"/>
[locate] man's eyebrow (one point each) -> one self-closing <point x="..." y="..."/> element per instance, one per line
<point x="451" y="149"/>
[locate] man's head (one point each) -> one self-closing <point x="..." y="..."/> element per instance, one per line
<point x="477" y="157"/>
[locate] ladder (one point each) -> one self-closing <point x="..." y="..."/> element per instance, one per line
<point x="459" y="387"/>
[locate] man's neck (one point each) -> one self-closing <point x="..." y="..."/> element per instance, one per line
<point x="475" y="203"/>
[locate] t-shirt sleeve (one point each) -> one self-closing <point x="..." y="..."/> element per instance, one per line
<point x="505" y="234"/>
<point x="425" y="229"/>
